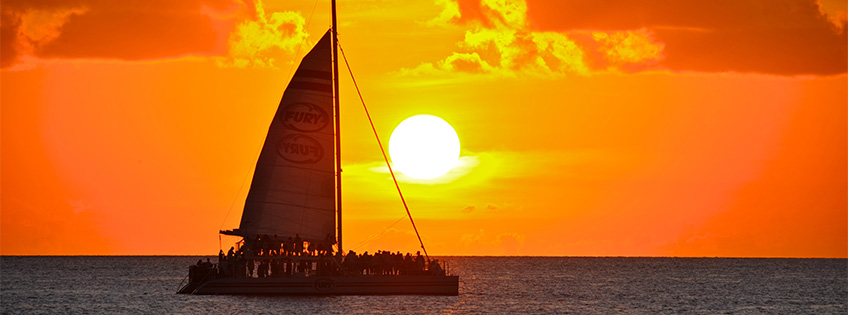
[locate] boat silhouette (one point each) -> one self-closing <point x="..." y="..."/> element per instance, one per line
<point x="292" y="214"/>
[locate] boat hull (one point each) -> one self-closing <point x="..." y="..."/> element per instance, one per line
<point x="333" y="285"/>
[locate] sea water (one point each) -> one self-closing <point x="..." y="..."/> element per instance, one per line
<point x="537" y="285"/>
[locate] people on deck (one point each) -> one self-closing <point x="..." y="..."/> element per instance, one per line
<point x="271" y="256"/>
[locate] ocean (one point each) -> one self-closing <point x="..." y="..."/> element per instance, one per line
<point x="534" y="285"/>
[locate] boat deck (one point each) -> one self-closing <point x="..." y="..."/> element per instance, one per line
<point x="331" y="285"/>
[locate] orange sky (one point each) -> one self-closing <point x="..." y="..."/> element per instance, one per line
<point x="667" y="128"/>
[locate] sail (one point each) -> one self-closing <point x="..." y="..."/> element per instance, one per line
<point x="293" y="188"/>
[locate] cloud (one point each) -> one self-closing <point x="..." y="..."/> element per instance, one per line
<point x="256" y="42"/>
<point x="464" y="165"/>
<point x="457" y="62"/>
<point x="79" y="206"/>
<point x="449" y="12"/>
<point x="489" y="207"/>
<point x="502" y="43"/>
<point x="101" y="29"/>
<point x="502" y="244"/>
<point x="629" y="47"/>
<point x="23" y="32"/>
<point x="238" y="33"/>
<point x="784" y="37"/>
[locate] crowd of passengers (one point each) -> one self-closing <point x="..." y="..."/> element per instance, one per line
<point x="266" y="256"/>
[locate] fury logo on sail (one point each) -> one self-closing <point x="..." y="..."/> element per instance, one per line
<point x="304" y="117"/>
<point x="301" y="149"/>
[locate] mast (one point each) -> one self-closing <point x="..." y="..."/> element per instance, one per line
<point x="338" y="126"/>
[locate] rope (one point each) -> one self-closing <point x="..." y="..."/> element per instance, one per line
<point x="385" y="157"/>
<point x="376" y="236"/>
<point x="241" y="187"/>
<point x="299" y="47"/>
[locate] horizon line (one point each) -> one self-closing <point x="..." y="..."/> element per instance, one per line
<point x="459" y="256"/>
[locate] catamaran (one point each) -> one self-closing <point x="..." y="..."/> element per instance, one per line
<point x="295" y="199"/>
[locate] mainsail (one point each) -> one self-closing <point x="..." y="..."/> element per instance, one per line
<point x="293" y="188"/>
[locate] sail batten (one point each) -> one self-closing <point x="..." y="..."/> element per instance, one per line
<point x="293" y="187"/>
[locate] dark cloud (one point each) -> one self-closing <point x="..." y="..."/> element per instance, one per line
<point x="9" y="52"/>
<point x="785" y="37"/>
<point x="126" y="30"/>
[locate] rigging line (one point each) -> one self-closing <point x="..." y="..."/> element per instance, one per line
<point x="299" y="47"/>
<point x="385" y="157"/>
<point x="244" y="180"/>
<point x="376" y="236"/>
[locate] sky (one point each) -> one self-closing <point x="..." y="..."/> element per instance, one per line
<point x="587" y="128"/>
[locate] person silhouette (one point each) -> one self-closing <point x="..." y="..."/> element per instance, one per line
<point x="298" y="244"/>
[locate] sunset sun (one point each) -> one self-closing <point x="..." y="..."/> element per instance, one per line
<point x="424" y="147"/>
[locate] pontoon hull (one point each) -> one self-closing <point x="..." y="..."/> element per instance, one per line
<point x="334" y="285"/>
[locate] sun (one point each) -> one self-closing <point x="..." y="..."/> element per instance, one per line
<point x="424" y="147"/>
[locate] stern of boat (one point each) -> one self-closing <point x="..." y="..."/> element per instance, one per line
<point x="197" y="276"/>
